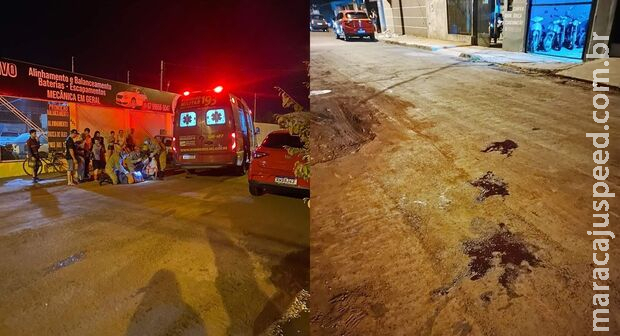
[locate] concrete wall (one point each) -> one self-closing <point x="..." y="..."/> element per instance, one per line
<point x="437" y="17"/>
<point x="414" y="15"/>
<point x="515" y="26"/>
<point x="389" y="15"/>
<point x="602" y="21"/>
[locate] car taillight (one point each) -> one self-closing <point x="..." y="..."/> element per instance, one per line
<point x="233" y="146"/>
<point x="259" y="154"/>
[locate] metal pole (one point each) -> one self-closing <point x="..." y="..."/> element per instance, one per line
<point x="161" y="77"/>
<point x="254" y="114"/>
<point x="72" y="64"/>
<point x="127" y="76"/>
<point x="402" y="18"/>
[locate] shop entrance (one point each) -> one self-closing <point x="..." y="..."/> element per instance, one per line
<point x="484" y="22"/>
<point x="559" y="27"/>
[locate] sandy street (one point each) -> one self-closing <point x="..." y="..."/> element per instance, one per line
<point x="184" y="256"/>
<point x="451" y="197"/>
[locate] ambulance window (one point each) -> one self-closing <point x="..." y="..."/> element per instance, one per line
<point x="244" y="127"/>
<point x="187" y="119"/>
<point x="216" y="117"/>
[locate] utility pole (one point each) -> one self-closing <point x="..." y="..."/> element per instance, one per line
<point x="127" y="76"/>
<point x="161" y="77"/>
<point x="72" y="64"/>
<point x="402" y="18"/>
<point x="254" y="114"/>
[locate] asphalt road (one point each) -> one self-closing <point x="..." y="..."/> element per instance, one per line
<point x="453" y="196"/>
<point x="184" y="256"/>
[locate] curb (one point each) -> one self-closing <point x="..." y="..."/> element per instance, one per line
<point x="417" y="45"/>
<point x="475" y="58"/>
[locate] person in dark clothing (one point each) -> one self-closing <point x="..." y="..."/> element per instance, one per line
<point x="98" y="156"/>
<point x="71" y="156"/>
<point x="32" y="146"/>
<point x="131" y="140"/>
<point x="88" y="144"/>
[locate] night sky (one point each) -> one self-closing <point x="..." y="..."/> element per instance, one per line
<point x="248" y="46"/>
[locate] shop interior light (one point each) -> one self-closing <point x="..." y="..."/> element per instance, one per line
<point x="218" y="89"/>
<point x="186" y="93"/>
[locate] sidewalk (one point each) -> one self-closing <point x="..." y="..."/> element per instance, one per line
<point x="23" y="183"/>
<point x="563" y="67"/>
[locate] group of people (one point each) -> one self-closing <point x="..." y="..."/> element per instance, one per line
<point x="116" y="158"/>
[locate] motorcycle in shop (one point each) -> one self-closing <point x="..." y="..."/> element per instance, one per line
<point x="549" y="41"/>
<point x="560" y="35"/>
<point x="535" y="33"/>
<point x="571" y="34"/>
<point x="581" y="38"/>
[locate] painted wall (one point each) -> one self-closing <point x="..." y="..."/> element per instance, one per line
<point x="437" y="18"/>
<point x="515" y="26"/>
<point x="389" y="15"/>
<point x="414" y="15"/>
<point x="107" y="119"/>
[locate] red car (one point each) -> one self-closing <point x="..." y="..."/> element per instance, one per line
<point x="273" y="168"/>
<point x="350" y="23"/>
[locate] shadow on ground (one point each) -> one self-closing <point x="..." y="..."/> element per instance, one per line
<point x="163" y="311"/>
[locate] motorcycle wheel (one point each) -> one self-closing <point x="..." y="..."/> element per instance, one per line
<point x="547" y="43"/>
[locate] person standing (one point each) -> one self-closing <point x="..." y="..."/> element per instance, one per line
<point x="120" y="140"/>
<point x="32" y="149"/>
<point x="111" y="139"/>
<point x="81" y="158"/>
<point x="70" y="155"/>
<point x="88" y="144"/>
<point x="163" y="152"/>
<point x="97" y="135"/>
<point x="98" y="157"/>
<point x="373" y="18"/>
<point x="131" y="142"/>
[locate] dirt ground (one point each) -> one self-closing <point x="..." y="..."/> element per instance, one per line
<point x="184" y="256"/>
<point x="451" y="197"/>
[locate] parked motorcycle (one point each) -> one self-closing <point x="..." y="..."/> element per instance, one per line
<point x="551" y="34"/>
<point x="536" y="33"/>
<point x="570" y="41"/>
<point x="581" y="38"/>
<point x="560" y="35"/>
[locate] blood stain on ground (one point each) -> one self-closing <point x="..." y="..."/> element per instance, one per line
<point x="491" y="185"/>
<point x="505" y="147"/>
<point x="511" y="250"/>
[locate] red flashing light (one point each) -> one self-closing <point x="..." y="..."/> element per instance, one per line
<point x="186" y="93"/>
<point x="218" y="89"/>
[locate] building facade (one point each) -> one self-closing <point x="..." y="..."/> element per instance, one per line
<point x="560" y="28"/>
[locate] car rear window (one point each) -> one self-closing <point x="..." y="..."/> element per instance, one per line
<point x="279" y="140"/>
<point x="317" y="17"/>
<point x="357" y="15"/>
